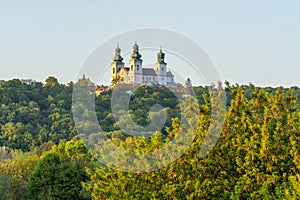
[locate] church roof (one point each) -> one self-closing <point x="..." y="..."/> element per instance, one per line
<point x="126" y="68"/>
<point x="148" y="72"/>
<point x="169" y="74"/>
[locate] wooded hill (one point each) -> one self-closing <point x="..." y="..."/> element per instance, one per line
<point x="42" y="156"/>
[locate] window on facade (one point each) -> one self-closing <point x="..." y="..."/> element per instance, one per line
<point x="138" y="67"/>
<point x="131" y="67"/>
<point x="114" y="70"/>
<point x="143" y="78"/>
<point x="154" y="78"/>
<point x="150" y="78"/>
<point x="162" y="78"/>
<point x="162" y="69"/>
<point x="147" y="78"/>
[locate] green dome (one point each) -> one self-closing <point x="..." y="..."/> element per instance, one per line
<point x="118" y="57"/>
<point x="135" y="54"/>
<point x="161" y="56"/>
<point x="135" y="47"/>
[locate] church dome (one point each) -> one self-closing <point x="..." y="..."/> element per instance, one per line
<point x="161" y="56"/>
<point x="135" y="54"/>
<point x="118" y="57"/>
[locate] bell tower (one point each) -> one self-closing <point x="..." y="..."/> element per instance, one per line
<point x="161" y="68"/>
<point x="117" y="63"/>
<point x="135" y="66"/>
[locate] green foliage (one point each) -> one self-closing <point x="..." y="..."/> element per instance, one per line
<point x="60" y="172"/>
<point x="51" y="81"/>
<point x="15" y="168"/>
<point x="142" y="99"/>
<point x="4" y="187"/>
<point x="256" y="157"/>
<point x="43" y="179"/>
<point x="32" y="113"/>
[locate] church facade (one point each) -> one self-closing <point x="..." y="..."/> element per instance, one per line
<point x="135" y="73"/>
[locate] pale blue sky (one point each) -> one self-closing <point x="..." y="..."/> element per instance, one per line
<point x="253" y="41"/>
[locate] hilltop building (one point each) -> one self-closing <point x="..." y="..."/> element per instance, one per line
<point x="136" y="73"/>
<point x="159" y="75"/>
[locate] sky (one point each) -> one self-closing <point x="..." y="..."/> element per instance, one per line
<point x="248" y="41"/>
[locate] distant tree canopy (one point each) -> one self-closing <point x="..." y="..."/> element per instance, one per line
<point x="32" y="113"/>
<point x="51" y="82"/>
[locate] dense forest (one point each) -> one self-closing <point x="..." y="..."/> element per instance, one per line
<point x="44" y="156"/>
